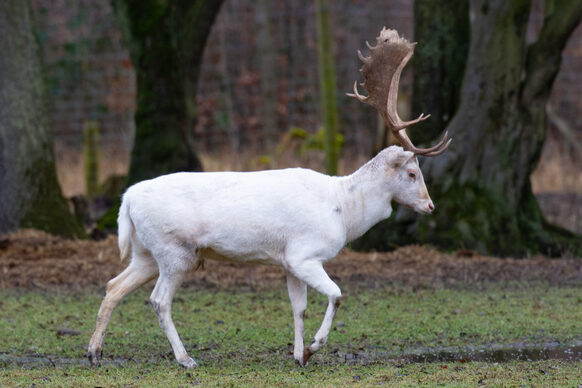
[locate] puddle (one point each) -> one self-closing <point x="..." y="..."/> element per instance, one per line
<point x="514" y="353"/>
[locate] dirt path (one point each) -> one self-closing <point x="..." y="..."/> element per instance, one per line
<point x="33" y="259"/>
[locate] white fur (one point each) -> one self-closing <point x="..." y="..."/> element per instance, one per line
<point x="296" y="218"/>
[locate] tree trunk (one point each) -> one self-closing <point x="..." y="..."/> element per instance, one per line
<point x="444" y="32"/>
<point x="226" y="88"/>
<point x="268" y="68"/>
<point x="166" y="40"/>
<point x="327" y="85"/>
<point x="30" y="196"/>
<point x="481" y="185"/>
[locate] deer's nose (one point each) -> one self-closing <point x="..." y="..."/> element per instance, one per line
<point x="431" y="206"/>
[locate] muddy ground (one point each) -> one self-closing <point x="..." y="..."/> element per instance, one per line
<point x="36" y="260"/>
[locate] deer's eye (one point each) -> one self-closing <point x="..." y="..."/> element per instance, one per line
<point x="412" y="175"/>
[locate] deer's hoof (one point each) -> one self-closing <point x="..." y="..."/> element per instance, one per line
<point x="188" y="363"/>
<point x="94" y="357"/>
<point x="307" y="353"/>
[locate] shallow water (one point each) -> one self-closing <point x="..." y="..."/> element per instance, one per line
<point x="514" y="353"/>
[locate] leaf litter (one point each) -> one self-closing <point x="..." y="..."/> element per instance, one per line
<point x="33" y="259"/>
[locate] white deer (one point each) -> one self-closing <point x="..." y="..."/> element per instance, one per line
<point x="296" y="218"/>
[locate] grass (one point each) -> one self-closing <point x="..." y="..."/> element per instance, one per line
<point x="165" y="374"/>
<point x="243" y="338"/>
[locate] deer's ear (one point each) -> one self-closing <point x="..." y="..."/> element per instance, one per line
<point x="400" y="159"/>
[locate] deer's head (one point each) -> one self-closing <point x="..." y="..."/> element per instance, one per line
<point x="381" y="72"/>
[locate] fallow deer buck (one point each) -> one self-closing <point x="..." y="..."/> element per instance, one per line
<point x="295" y="218"/>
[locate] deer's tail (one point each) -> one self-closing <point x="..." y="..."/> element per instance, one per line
<point x="125" y="229"/>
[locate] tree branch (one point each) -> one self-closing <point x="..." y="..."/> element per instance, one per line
<point x="545" y="55"/>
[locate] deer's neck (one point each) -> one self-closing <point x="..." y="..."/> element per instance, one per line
<point x="364" y="200"/>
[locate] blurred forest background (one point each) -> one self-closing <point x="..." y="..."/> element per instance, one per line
<point x="258" y="80"/>
<point x="257" y="97"/>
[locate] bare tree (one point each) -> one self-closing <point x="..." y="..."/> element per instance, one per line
<point x="30" y="196"/>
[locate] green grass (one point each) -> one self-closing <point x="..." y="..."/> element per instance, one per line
<point x="244" y="337"/>
<point x="166" y="374"/>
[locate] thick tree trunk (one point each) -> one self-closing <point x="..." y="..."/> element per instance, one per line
<point x="481" y="185"/>
<point x="443" y="30"/>
<point x="166" y="40"/>
<point x="30" y="196"/>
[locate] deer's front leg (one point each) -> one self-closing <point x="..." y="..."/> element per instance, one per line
<point x="321" y="336"/>
<point x="298" y="296"/>
<point x="311" y="272"/>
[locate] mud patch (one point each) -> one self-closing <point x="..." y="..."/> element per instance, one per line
<point x="551" y="351"/>
<point x="7" y="360"/>
<point x="492" y="353"/>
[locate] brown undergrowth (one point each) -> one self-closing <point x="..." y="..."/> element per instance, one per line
<point x="36" y="260"/>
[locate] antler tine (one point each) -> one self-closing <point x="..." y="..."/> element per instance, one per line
<point x="432" y="151"/>
<point x="362" y="57"/>
<point x="437" y="153"/>
<point x="357" y="94"/>
<point x="398" y="124"/>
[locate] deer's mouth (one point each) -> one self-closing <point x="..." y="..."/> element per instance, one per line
<point x="422" y="207"/>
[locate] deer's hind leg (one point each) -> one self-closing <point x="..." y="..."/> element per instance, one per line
<point x="140" y="270"/>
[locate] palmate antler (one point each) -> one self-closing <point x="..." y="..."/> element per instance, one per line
<point x="381" y="72"/>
